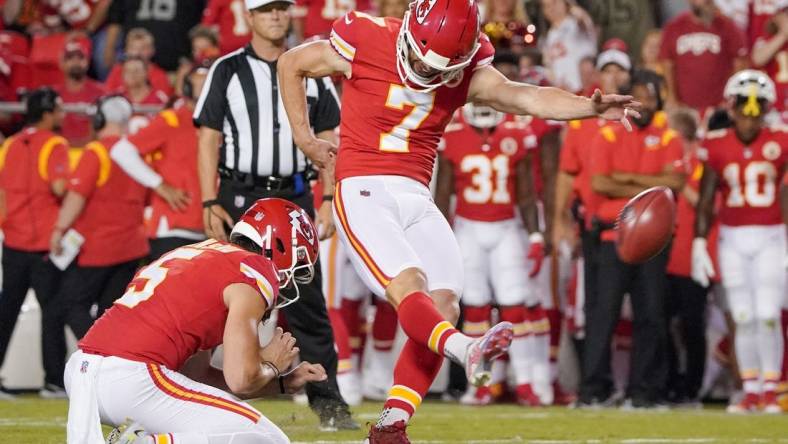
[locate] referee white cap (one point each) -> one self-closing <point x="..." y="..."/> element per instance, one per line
<point x="254" y="4"/>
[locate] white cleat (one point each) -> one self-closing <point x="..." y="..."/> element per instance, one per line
<point x="483" y="351"/>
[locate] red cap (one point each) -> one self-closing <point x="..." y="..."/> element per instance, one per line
<point x="615" y="43"/>
<point x="81" y="46"/>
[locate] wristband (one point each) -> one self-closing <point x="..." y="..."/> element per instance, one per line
<point x="328" y="198"/>
<point x="273" y="367"/>
<point x="210" y="203"/>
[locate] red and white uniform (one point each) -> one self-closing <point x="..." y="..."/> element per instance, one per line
<point x="175" y="308"/>
<point x="492" y="239"/>
<point x="389" y="137"/>
<point x="752" y="243"/>
<point x="318" y="15"/>
<point x="777" y="68"/>
<point x="228" y="17"/>
<point x="74" y="13"/>
<point x="759" y="13"/>
<point x="171" y="141"/>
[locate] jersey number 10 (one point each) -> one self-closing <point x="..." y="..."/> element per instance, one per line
<point x="751" y="193"/>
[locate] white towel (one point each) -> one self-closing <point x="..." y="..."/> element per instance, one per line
<point x="84" y="423"/>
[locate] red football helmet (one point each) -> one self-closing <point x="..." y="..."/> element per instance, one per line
<point x="287" y="237"/>
<point x="443" y="34"/>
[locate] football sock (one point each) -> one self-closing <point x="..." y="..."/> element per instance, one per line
<point x="422" y="322"/>
<point x="384" y="326"/>
<point x="519" y="351"/>
<point x="770" y="349"/>
<point x="540" y="367"/>
<point x="351" y="314"/>
<point x="414" y="372"/>
<point x="746" y="341"/>
<point x="476" y="320"/>
<point x="345" y="362"/>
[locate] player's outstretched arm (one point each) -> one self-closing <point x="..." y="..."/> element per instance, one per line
<point x="490" y="87"/>
<point x="315" y="59"/>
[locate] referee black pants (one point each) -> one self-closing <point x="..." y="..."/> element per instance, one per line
<point x="647" y="286"/>
<point x="307" y="318"/>
<point x="23" y="270"/>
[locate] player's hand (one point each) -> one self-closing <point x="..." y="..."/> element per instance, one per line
<point x="214" y="219"/>
<point x="304" y="373"/>
<point x="320" y="152"/>
<point x="536" y="252"/>
<point x="56" y="242"/>
<point x="702" y="266"/>
<point x="564" y="234"/>
<point x="325" y="221"/>
<point x="176" y="198"/>
<point x="615" y="107"/>
<point x="281" y="351"/>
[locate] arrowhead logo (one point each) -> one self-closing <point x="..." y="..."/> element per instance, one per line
<point x="297" y="221"/>
<point x="423" y="8"/>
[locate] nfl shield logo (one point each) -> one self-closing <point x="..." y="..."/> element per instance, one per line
<point x="240" y="201"/>
<point x="84" y="367"/>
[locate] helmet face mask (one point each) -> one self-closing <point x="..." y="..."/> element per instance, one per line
<point x="449" y="66"/>
<point x="287" y="237"/>
<point x="480" y="116"/>
<point x="751" y="91"/>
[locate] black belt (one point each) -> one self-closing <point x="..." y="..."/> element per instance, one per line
<point x="268" y="183"/>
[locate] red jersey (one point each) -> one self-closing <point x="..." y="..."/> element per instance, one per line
<point x="228" y="17"/>
<point x="680" y="263"/>
<point x="484" y="166"/>
<point x="318" y="15"/>
<point x="387" y="128"/>
<point x="175" y="306"/>
<point x="777" y="68"/>
<point x="157" y="78"/>
<point x="111" y="221"/>
<point x="172" y="140"/>
<point x="576" y="160"/>
<point x="759" y="13"/>
<point x="141" y="120"/>
<point x="74" y="13"/>
<point x="77" y="127"/>
<point x="540" y="128"/>
<point x="702" y="57"/>
<point x="29" y="162"/>
<point x="650" y="150"/>
<point x="749" y="176"/>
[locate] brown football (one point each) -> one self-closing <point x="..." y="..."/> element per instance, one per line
<point x="645" y="225"/>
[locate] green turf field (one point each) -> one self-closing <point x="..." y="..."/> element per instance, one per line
<point x="30" y="420"/>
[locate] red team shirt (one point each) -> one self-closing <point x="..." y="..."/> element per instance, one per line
<point x="318" y="15"/>
<point x="576" y="160"/>
<point x="112" y="219"/>
<point x="156" y="76"/>
<point x="29" y="162"/>
<point x="401" y="128"/>
<point x="77" y="127"/>
<point x="75" y="13"/>
<point x="169" y="319"/>
<point x="539" y="128"/>
<point x="228" y="17"/>
<point x="749" y="176"/>
<point x="484" y="166"/>
<point x="172" y="140"/>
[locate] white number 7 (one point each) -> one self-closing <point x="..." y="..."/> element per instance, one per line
<point x="396" y="140"/>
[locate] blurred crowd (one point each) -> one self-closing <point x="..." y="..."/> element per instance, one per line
<point x="600" y="336"/>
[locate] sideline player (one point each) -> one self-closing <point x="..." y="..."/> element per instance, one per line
<point x="405" y="79"/>
<point x="747" y="163"/>
<point x="148" y="357"/>
<point x="486" y="162"/>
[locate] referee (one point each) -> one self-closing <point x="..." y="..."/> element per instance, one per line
<point x="245" y="136"/>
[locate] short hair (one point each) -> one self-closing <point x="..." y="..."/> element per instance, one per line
<point x="139" y="34"/>
<point x="204" y="32"/>
<point x="40" y="101"/>
<point x="685" y="121"/>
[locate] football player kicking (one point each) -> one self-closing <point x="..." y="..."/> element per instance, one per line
<point x="747" y="162"/>
<point x="486" y="160"/>
<point x="147" y="359"/>
<point x="405" y="78"/>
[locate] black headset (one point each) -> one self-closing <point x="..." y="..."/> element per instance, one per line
<point x="187" y="90"/>
<point x="99" y="120"/>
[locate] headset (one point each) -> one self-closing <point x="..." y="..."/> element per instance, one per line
<point x="187" y="90"/>
<point x="99" y="120"/>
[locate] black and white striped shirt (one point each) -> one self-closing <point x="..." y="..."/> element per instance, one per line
<point x="241" y="99"/>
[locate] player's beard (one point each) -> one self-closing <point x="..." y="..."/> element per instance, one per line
<point x="77" y="73"/>
<point x="646" y="116"/>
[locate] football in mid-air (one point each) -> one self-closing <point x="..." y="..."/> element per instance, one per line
<point x="645" y="225"/>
